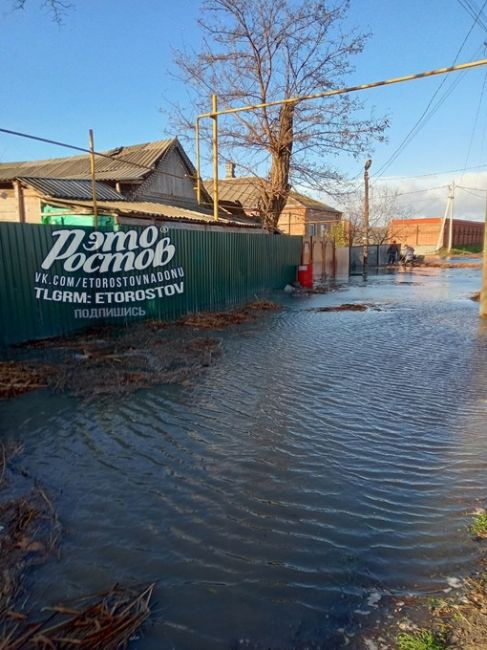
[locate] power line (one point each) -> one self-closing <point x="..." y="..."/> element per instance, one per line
<point x="447" y="171"/>
<point x="421" y="120"/>
<point x="427" y="189"/>
<point x="29" y="136"/>
<point x="472" y="193"/>
<point x="475" y="189"/>
<point x="474" y="127"/>
<point x="472" y="11"/>
<point x="417" y="128"/>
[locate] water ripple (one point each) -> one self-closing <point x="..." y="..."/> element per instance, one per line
<point x="322" y="456"/>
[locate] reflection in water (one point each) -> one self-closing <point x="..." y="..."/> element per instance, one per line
<point x="324" y="459"/>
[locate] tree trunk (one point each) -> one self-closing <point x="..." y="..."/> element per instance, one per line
<point x="276" y="192"/>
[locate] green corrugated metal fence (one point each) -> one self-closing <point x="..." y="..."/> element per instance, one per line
<point x="209" y="271"/>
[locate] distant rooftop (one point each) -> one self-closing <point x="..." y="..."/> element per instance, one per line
<point x="122" y="164"/>
<point x="244" y="191"/>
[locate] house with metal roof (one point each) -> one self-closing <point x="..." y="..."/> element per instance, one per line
<point x="302" y="215"/>
<point x="151" y="182"/>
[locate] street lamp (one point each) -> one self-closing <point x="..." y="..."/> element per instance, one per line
<point x="366" y="217"/>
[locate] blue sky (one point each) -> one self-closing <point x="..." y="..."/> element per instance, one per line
<point x="109" y="68"/>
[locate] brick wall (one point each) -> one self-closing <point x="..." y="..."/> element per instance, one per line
<point x="292" y="221"/>
<point x="467" y="232"/>
<point x="297" y="221"/>
<point x="424" y="233"/>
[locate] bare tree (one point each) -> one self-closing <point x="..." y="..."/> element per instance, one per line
<point x="384" y="206"/>
<point x="57" y="8"/>
<point x="257" y="51"/>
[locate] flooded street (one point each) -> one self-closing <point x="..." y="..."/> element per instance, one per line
<point x="324" y="464"/>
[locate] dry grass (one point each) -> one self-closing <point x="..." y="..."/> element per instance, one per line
<point x="107" y="622"/>
<point x="223" y="319"/>
<point x="214" y="320"/>
<point x="123" y="364"/>
<point x="464" y="623"/>
<point x="115" y="361"/>
<point x="344" y="307"/>
<point x="17" y="378"/>
<point x="29" y="534"/>
<point x="349" y="307"/>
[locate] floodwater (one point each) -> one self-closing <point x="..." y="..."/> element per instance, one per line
<point x="325" y="460"/>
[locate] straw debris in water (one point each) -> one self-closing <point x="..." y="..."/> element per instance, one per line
<point x="107" y="622"/>
<point x="119" y="360"/>
<point x="348" y="307"/>
<point x="17" y="378"/>
<point x="222" y="319"/>
<point x="29" y="534"/>
<point x="122" y="364"/>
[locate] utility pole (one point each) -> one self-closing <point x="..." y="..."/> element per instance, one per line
<point x="366" y="218"/>
<point x="448" y="213"/>
<point x="451" y="198"/>
<point x="214" y="106"/>
<point x="93" y="178"/>
<point x="483" y="292"/>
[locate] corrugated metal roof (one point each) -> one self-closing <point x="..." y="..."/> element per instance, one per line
<point x="160" y="210"/>
<point x="308" y="202"/>
<point x="72" y="189"/>
<point x="245" y="191"/>
<point x="117" y="168"/>
<point x="239" y="190"/>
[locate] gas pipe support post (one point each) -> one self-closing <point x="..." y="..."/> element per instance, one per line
<point x="198" y="160"/>
<point x="214" y="117"/>
<point x="93" y="178"/>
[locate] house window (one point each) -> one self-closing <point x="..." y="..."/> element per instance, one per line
<point x="312" y="229"/>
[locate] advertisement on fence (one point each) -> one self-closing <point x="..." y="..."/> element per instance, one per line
<point x="55" y="280"/>
<point x="109" y="274"/>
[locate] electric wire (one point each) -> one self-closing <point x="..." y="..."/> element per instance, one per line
<point x="475" y="189"/>
<point x="421" y="120"/>
<point x="442" y="173"/>
<point x="57" y="143"/>
<point x="426" y="189"/>
<point x="472" y="193"/>
<point x="474" y="126"/>
<point x="472" y="11"/>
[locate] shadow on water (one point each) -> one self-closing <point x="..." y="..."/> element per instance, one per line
<point x="324" y="464"/>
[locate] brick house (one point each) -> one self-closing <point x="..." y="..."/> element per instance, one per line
<point x="302" y="215"/>
<point x="428" y="234"/>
